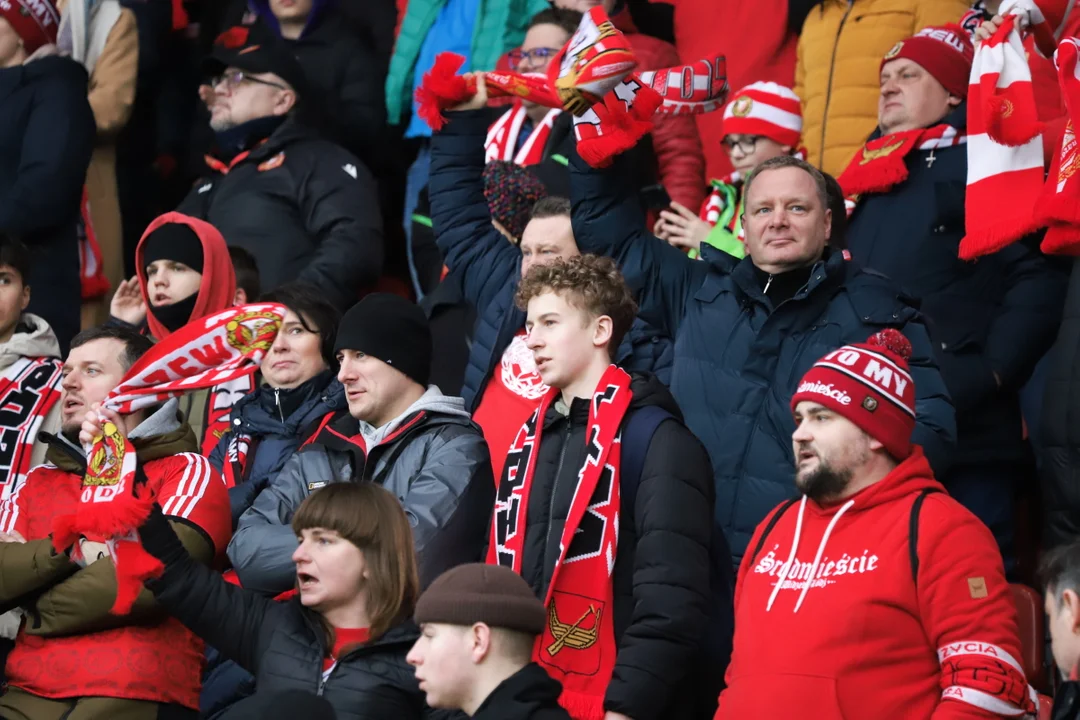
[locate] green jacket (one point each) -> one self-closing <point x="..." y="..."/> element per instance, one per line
<point x="499" y="27"/>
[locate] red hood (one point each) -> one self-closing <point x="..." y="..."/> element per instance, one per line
<point x="218" y="287"/>
<point x="908" y="478"/>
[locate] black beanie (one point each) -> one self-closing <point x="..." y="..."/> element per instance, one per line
<point x="173" y="241"/>
<point x="392" y="329"/>
<point x="492" y="594"/>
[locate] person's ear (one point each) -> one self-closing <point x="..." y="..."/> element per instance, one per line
<point x="1070" y="603"/>
<point x="479" y="636"/>
<point x="787" y="149"/>
<point x="603" y="330"/>
<point x="954" y="101"/>
<point x="25" y="298"/>
<point x="828" y="224"/>
<point x="285" y="103"/>
<point x="240" y="298"/>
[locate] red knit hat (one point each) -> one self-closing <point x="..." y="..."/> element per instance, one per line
<point x="868" y="384"/>
<point x="36" y="22"/>
<point x="945" y="52"/>
<point x="767" y="109"/>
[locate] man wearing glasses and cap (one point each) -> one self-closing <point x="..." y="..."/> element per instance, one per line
<point x="302" y="206"/>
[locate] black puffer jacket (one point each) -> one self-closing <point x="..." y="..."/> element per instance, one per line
<point x="282" y="644"/>
<point x="528" y="694"/>
<point x="662" y="567"/>
<point x="303" y="207"/>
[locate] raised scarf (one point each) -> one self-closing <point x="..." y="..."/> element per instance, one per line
<point x="29" y="388"/>
<point x="577" y="647"/>
<point x="204" y="353"/>
<point x="502" y="137"/>
<point x="594" y="66"/>
<point x="1005" y="154"/>
<point x="92" y="278"/>
<point x="1058" y="207"/>
<point x="880" y="164"/>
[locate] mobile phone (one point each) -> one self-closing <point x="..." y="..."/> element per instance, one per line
<point x="655" y="197"/>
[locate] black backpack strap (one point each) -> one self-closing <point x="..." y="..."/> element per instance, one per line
<point x="770" y="525"/>
<point x="913" y="532"/>
<point x="636" y="437"/>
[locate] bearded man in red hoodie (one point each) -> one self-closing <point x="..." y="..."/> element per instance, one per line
<point x="873" y="594"/>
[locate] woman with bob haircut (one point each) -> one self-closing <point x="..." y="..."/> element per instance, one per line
<point x="344" y="635"/>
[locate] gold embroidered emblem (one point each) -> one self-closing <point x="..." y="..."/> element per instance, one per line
<point x="573" y="635"/>
<point x="871" y="155"/>
<point x="894" y="50"/>
<point x="869" y="404"/>
<point x="104" y="465"/>
<point x="742" y="106"/>
<point x="1006" y="108"/>
<point x="258" y="337"/>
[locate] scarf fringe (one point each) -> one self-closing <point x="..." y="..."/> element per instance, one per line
<point x="621" y="129"/>
<point x="995" y="236"/>
<point x="873" y="177"/>
<point x="134" y="566"/>
<point x="582" y="706"/>
<point x="442" y="88"/>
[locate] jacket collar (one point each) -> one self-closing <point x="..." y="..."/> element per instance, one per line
<point x="828" y="273"/>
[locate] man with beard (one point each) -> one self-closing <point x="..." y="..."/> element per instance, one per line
<point x="887" y="592"/>
<point x="140" y="665"/>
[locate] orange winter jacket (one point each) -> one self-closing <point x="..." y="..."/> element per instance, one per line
<point x="838" y="63"/>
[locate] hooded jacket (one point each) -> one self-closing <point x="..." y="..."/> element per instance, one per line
<point x="997" y="315"/>
<point x="47" y="134"/>
<point x="305" y="208"/>
<point x="33" y="340"/>
<point x="661" y="593"/>
<point x="69" y="624"/>
<point x="528" y="694"/>
<point x="218" y="286"/>
<point x="832" y="619"/>
<point x="274" y="423"/>
<point x="433" y="457"/>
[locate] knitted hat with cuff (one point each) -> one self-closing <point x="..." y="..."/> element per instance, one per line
<point x="767" y="109"/>
<point x="478" y="593"/>
<point x="869" y="384"/>
<point x="389" y="328"/>
<point x="945" y="52"/>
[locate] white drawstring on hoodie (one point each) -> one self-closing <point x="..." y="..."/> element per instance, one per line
<point x="795" y="547"/>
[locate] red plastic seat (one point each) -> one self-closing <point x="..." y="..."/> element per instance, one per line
<point x="1029" y="611"/>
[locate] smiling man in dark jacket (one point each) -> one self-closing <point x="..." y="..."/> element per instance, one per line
<point x="604" y="507"/>
<point x="47" y="134"/>
<point x="991" y="320"/>
<point x="398" y="432"/>
<point x="302" y="206"/>
<point x="746" y="332"/>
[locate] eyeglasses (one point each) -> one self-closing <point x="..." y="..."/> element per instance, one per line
<point x="746" y="144"/>
<point x="234" y="78"/>
<point x="536" y="56"/>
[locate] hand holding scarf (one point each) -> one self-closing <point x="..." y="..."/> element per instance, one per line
<point x="203" y="353"/>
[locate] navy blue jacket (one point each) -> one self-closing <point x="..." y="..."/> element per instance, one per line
<point x="275" y="435"/>
<point x="489" y="267"/>
<point x="738" y="359"/>
<point x="996" y="315"/>
<point x="47" y="135"/>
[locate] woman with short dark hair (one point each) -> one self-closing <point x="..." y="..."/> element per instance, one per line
<point x="344" y="635"/>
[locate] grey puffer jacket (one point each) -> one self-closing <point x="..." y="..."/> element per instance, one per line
<point x="433" y="457"/>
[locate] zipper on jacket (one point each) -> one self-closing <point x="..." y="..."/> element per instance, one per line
<point x="277" y="401"/>
<point x="767" y="284"/>
<point x="828" y="87"/>
<point x="554" y="487"/>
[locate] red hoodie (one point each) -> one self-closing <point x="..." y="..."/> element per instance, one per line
<point x="863" y="640"/>
<point x="218" y="287"/>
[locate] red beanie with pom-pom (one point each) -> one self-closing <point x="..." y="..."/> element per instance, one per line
<point x="869" y="384"/>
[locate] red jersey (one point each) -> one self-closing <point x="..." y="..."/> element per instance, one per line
<point x="511" y="396"/>
<point x="159" y="663"/>
<point x="831" y="624"/>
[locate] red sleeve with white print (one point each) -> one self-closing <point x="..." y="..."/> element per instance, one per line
<point x="191" y="490"/>
<point x="968" y="615"/>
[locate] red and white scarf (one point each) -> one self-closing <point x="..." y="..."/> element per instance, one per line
<point x="880" y="164"/>
<point x="1005" y="154"/>
<point x="219" y="407"/>
<point x="596" y="64"/>
<point x="91" y="270"/>
<point x="577" y="647"/>
<point x="502" y="137"/>
<point x="29" y="388"/>
<point x="209" y="351"/>
<point x="1059" y="207"/>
